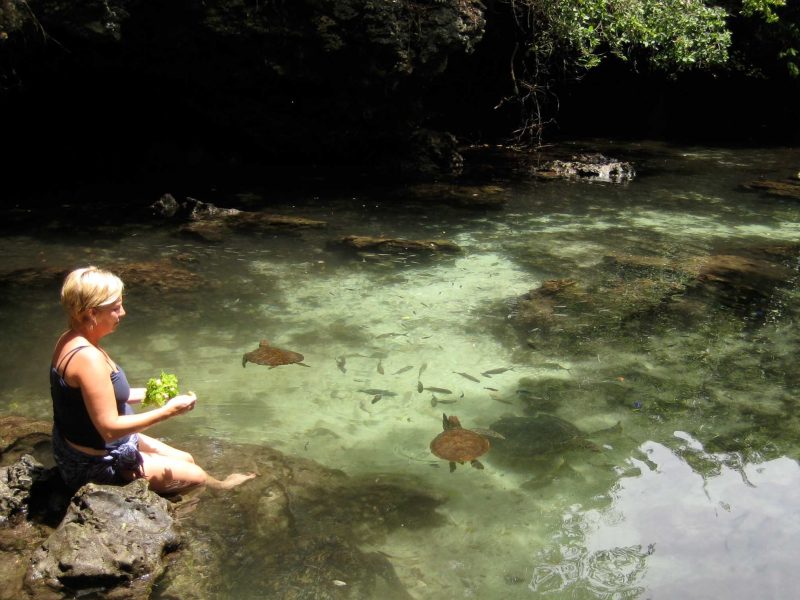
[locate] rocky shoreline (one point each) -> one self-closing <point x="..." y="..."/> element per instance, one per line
<point x="298" y="525"/>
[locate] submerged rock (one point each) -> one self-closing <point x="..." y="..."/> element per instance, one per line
<point x="216" y="229"/>
<point x="387" y="244"/>
<point x="787" y="188"/>
<point x="21" y="435"/>
<point x="213" y="224"/>
<point x="34" y="277"/>
<point x="537" y="307"/>
<point x="160" y="275"/>
<point x="629" y="290"/>
<point x="492" y="197"/>
<point x="331" y="567"/>
<point x="299" y="526"/>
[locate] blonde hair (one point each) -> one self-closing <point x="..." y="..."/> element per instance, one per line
<point x="88" y="288"/>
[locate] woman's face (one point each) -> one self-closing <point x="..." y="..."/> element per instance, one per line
<point x="108" y="317"/>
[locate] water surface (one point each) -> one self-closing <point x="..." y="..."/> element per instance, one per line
<point x="693" y="495"/>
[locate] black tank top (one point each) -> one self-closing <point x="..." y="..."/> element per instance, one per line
<point x="69" y="410"/>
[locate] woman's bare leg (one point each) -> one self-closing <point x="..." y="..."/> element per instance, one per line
<point x="155" y="446"/>
<point x="166" y="474"/>
<point x="169" y="474"/>
<point x="231" y="481"/>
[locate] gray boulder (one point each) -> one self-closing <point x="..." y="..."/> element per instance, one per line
<point x="112" y="541"/>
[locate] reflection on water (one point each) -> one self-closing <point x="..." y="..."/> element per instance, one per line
<point x="667" y="306"/>
<point x="673" y="533"/>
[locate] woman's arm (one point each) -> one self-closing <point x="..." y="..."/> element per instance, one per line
<point x="92" y="375"/>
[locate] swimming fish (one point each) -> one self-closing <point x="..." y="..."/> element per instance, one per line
<point x="422" y="369"/>
<point x="438" y="390"/>
<point x="380" y="367"/>
<point x="467" y="376"/>
<point x="376" y="398"/>
<point x="376" y="392"/>
<point x="491" y="372"/>
<point x="499" y="399"/>
<point x="403" y="370"/>
<point x="435" y="401"/>
<point x="340" y="362"/>
<point x="419" y="387"/>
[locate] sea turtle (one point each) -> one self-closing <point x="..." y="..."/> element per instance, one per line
<point x="458" y="445"/>
<point x="537" y="435"/>
<point x="539" y="441"/>
<point x="272" y="356"/>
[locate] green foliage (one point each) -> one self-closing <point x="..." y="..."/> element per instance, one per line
<point x="766" y="37"/>
<point x="160" y="389"/>
<point x="12" y="16"/>
<point x="764" y="8"/>
<point x="566" y="37"/>
<point x="668" y="34"/>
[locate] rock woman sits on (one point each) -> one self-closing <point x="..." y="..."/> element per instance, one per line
<point x="96" y="434"/>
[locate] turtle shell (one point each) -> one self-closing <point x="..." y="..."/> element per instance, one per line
<point x="271" y="356"/>
<point x="459" y="445"/>
<point x="536" y="435"/>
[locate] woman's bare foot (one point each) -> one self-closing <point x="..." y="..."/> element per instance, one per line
<point x="231" y="481"/>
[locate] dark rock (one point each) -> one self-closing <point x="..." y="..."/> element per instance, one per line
<point x="166" y="206"/>
<point x="190" y="209"/>
<point x="16" y="482"/>
<point x="588" y="167"/>
<point x="113" y="539"/>
<point x="205" y="210"/>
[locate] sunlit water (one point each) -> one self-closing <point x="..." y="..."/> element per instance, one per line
<point x="696" y="497"/>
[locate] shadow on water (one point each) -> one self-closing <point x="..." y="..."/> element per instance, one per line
<point x="667" y="306"/>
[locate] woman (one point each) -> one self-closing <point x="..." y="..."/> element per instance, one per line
<point x="96" y="435"/>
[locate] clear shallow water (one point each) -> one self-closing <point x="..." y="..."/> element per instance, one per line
<point x="695" y="497"/>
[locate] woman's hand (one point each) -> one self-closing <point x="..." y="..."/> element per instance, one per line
<point x="181" y="404"/>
